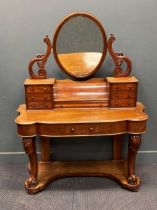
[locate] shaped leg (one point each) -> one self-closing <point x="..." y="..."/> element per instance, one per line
<point x="134" y="144"/>
<point x="30" y="149"/>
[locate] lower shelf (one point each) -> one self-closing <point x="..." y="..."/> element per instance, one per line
<point x="114" y="169"/>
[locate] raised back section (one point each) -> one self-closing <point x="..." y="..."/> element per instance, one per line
<point x="111" y="92"/>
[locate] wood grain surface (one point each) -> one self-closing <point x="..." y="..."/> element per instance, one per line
<point x="80" y="64"/>
<point x="64" y="116"/>
<point x="115" y="169"/>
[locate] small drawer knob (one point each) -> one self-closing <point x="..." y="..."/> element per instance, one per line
<point x="72" y="129"/>
<point x="129" y="95"/>
<point x="45" y="97"/>
<point x="32" y="97"/>
<point x="129" y="102"/>
<point x="116" y="103"/>
<point x="130" y="86"/>
<point x="91" y="129"/>
<point x="45" y="89"/>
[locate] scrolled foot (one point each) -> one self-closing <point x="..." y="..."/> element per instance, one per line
<point x="132" y="180"/>
<point x="31" y="182"/>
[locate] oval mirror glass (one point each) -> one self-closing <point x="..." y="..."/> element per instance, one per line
<point x="80" y="45"/>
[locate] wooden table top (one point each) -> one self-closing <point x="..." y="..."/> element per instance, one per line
<point x="84" y="115"/>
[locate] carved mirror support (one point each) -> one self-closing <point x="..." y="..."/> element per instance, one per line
<point x="41" y="60"/>
<point x="118" y="59"/>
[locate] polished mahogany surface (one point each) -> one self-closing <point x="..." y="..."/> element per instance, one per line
<point x="83" y="106"/>
<point x="83" y="60"/>
<point x="74" y="116"/>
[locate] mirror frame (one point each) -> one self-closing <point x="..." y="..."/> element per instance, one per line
<point x="54" y="45"/>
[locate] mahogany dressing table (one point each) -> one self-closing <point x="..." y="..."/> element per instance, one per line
<point x="81" y="106"/>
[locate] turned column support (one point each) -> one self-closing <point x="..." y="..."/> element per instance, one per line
<point x="30" y="150"/>
<point x="117" y="147"/>
<point x="134" y="144"/>
<point x="45" y="148"/>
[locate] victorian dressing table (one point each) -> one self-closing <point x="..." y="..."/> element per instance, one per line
<point x="81" y="106"/>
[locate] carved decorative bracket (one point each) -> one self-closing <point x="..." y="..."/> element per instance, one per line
<point x="41" y="60"/>
<point x="118" y="59"/>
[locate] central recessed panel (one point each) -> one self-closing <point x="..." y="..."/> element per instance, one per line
<point x="80" y="45"/>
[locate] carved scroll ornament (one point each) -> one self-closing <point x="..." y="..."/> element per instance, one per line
<point x="41" y="60"/>
<point x="118" y="59"/>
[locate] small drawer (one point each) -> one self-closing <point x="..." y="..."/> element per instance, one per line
<point x="39" y="105"/>
<point x="122" y="103"/>
<point x="85" y="129"/>
<point x="38" y="89"/>
<point x="82" y="129"/>
<point x="123" y="94"/>
<point x="38" y="97"/>
<point x="124" y="86"/>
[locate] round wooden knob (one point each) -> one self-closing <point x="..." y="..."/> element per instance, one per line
<point x="116" y="103"/>
<point x="129" y="102"/>
<point x="130" y="86"/>
<point x="91" y="129"/>
<point x="45" y="97"/>
<point x="45" y="89"/>
<point x="33" y="97"/>
<point x="72" y="129"/>
<point x="129" y="95"/>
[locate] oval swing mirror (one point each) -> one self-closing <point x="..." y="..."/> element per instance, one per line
<point x="80" y="45"/>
